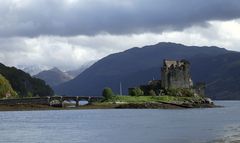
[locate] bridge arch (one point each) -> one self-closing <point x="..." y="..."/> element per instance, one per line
<point x="59" y="100"/>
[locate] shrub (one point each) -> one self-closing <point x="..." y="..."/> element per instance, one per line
<point x="136" y="92"/>
<point x="29" y="94"/>
<point x="107" y="93"/>
<point x="152" y="93"/>
<point x="180" y="92"/>
<point x="172" y="92"/>
<point x="187" y="92"/>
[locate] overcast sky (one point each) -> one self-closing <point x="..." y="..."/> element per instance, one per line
<point x="69" y="33"/>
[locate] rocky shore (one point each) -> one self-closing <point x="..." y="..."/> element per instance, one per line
<point x="172" y="104"/>
<point x="163" y="106"/>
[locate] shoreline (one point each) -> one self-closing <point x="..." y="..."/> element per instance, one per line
<point x="147" y="105"/>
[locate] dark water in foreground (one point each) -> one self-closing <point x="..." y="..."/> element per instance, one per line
<point x="123" y="126"/>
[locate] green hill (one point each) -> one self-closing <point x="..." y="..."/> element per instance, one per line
<point x="24" y="84"/>
<point x="6" y="90"/>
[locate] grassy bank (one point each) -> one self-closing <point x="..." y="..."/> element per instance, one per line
<point x="144" y="99"/>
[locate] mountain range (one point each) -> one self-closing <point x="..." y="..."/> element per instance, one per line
<point x="33" y="69"/>
<point x="54" y="76"/>
<point x="216" y="66"/>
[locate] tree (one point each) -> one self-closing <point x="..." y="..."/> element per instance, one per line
<point x="136" y="92"/>
<point x="107" y="93"/>
<point x="152" y="93"/>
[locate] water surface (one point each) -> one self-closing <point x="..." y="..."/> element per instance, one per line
<point x="123" y="125"/>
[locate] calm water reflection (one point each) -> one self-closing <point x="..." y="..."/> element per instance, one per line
<point x="123" y="126"/>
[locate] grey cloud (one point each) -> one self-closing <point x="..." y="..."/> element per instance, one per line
<point x="59" y="17"/>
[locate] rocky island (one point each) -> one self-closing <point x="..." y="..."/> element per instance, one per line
<point x="174" y="90"/>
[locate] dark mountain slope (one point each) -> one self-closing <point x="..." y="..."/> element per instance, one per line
<point x="132" y="67"/>
<point x="76" y="72"/>
<point x="221" y="73"/>
<point x="24" y="84"/>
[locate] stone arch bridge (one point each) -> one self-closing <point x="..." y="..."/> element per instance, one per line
<point x="61" y="99"/>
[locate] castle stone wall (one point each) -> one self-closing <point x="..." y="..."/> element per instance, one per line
<point x="175" y="74"/>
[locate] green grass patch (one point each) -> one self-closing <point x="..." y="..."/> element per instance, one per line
<point x="142" y="99"/>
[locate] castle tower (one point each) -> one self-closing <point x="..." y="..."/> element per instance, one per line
<point x="175" y="74"/>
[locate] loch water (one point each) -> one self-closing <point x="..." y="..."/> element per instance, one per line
<point x="207" y="125"/>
